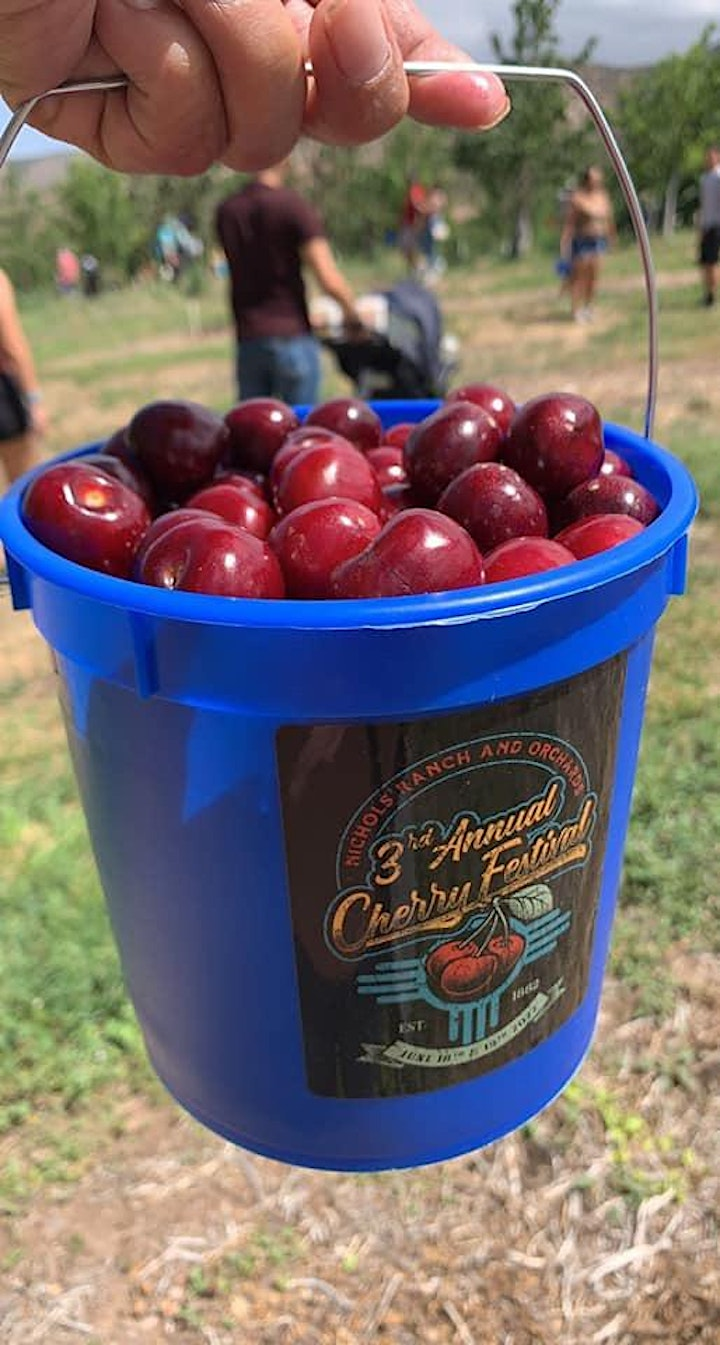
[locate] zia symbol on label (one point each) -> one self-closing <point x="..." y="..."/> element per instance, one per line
<point x="468" y="976"/>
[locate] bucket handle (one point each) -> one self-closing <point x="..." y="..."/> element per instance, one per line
<point x="505" y="72"/>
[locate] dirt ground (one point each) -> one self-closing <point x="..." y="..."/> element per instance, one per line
<point x="596" y="1226"/>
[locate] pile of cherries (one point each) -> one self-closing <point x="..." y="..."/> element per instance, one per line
<point x="258" y="504"/>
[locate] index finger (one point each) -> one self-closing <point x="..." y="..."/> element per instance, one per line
<point x="476" y="101"/>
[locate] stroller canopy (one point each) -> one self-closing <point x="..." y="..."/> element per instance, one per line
<point x="405" y="358"/>
<point x="415" y="331"/>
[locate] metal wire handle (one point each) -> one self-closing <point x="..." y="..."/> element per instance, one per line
<point x="505" y="72"/>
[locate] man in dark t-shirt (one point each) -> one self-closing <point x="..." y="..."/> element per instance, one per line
<point x="270" y="235"/>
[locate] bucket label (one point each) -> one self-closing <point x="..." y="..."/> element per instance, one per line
<point x="444" y="877"/>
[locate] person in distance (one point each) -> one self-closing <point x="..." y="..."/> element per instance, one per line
<point x="709" y="225"/>
<point x="22" y="417"/>
<point x="588" y="231"/>
<point x="271" y="236"/>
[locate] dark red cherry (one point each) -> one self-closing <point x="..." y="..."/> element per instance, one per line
<point x="396" y="434"/>
<point x="614" y="465"/>
<point x="125" y="469"/>
<point x="491" y="398"/>
<point x="256" y="429"/>
<point x="316" y="538"/>
<point x="387" y="463"/>
<point x="326" y="470"/>
<point x="208" y="555"/>
<point x="448" y="441"/>
<point x="350" y="416"/>
<point x="598" y="532"/>
<point x="417" y="551"/>
<point x="613" y="494"/>
<point x="555" y="442"/>
<point x="237" y="503"/>
<point x="494" y="503"/>
<point x="86" y="515"/>
<point x="523" y="556"/>
<point x="179" y="445"/>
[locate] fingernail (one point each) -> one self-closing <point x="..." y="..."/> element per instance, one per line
<point x="356" y="33"/>
<point x="488" y="98"/>
<point x="505" y="111"/>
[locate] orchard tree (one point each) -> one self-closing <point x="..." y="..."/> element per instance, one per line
<point x="520" y="166"/>
<point x="192" y="199"/>
<point x="360" y="192"/>
<point x="28" y="236"/>
<point x="666" y="118"/>
<point x="97" y="214"/>
<point x="115" y="216"/>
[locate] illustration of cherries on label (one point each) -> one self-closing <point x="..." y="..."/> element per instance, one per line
<point x="507" y="949"/>
<point x="462" y="969"/>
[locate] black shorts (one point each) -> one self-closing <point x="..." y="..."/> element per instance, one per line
<point x="14" y="414"/>
<point x="710" y="246"/>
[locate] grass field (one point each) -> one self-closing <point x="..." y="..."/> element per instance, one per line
<point x="70" y="1052"/>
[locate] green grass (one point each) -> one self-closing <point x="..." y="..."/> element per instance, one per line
<point x="65" y="1024"/>
<point x="689" y="439"/>
<point x="66" y="1029"/>
<point x="672" y="861"/>
<point x="62" y="329"/>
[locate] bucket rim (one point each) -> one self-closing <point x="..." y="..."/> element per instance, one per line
<point x="484" y="601"/>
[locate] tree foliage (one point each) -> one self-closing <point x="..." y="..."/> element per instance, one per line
<point x="667" y="116"/>
<point x="521" y="167"/>
<point x="28" y="234"/>
<point x="97" y="214"/>
<point x="115" y="217"/>
<point x="360" y="192"/>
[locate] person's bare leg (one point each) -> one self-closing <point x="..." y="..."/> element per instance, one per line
<point x="581" y="280"/>
<point x="577" y="282"/>
<point x="592" y="274"/>
<point x="710" y="280"/>
<point x="19" y="456"/>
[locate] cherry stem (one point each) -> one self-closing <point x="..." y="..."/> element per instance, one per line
<point x="504" y="921"/>
<point x="489" y="925"/>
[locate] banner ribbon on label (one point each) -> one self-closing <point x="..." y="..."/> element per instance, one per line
<point x="401" y="1053"/>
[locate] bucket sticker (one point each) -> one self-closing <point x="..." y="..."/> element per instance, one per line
<point x="444" y="876"/>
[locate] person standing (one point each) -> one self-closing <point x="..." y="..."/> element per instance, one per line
<point x="67" y="271"/>
<point x="22" y="417"/>
<point x="271" y="237"/>
<point x="414" y="214"/>
<point x="435" y="230"/>
<point x="166" y="250"/>
<point x="588" y="231"/>
<point x="709" y="222"/>
<point x="90" y="275"/>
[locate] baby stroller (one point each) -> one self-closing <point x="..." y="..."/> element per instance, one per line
<point x="403" y="353"/>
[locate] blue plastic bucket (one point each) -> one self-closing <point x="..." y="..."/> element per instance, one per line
<point x="361" y="858"/>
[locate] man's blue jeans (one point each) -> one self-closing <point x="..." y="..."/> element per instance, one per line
<point x="287" y="368"/>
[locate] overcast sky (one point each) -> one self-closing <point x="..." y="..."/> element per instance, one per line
<point x="628" y="32"/>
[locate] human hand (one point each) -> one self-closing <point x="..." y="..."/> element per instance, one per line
<point x="38" y="418"/>
<point x="224" y="80"/>
<point x="354" y="328"/>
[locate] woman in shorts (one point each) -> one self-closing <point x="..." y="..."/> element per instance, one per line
<point x="22" y="417"/>
<point x="709" y="221"/>
<point x="588" y="231"/>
